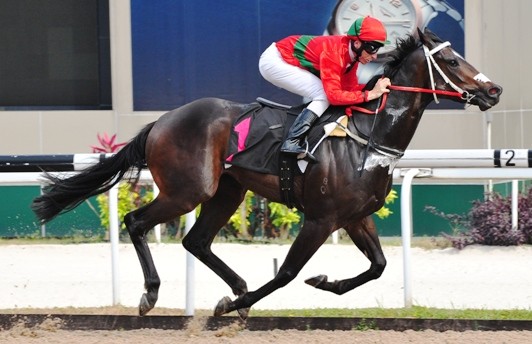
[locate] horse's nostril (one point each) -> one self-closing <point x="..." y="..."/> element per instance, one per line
<point x="495" y="91"/>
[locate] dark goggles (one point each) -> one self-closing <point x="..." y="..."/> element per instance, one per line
<point x="371" y="47"/>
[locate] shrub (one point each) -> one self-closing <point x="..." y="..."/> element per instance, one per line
<point x="525" y="215"/>
<point x="384" y="212"/>
<point x="130" y="197"/>
<point x="107" y="144"/>
<point x="283" y="218"/>
<point x="489" y="222"/>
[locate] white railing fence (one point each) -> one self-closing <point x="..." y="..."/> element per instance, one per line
<point x="434" y="165"/>
<point x="459" y="166"/>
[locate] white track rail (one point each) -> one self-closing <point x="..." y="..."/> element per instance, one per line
<point x="455" y="165"/>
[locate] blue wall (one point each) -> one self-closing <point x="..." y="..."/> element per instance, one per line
<point x="184" y="50"/>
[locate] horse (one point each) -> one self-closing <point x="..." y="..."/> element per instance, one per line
<point x="185" y="150"/>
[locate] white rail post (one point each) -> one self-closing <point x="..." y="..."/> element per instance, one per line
<point x="157" y="228"/>
<point x="515" y="204"/>
<point x="43" y="226"/>
<point x="114" y="238"/>
<point x="334" y="237"/>
<point x="406" y="231"/>
<point x="189" y="305"/>
<point x="488" y="117"/>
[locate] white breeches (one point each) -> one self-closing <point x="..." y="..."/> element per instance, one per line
<point x="293" y="79"/>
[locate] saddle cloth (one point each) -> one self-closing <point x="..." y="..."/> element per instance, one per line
<point x="257" y="135"/>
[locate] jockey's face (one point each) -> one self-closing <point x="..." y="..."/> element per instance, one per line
<point x="368" y="52"/>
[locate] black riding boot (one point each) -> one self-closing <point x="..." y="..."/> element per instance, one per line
<point x="295" y="143"/>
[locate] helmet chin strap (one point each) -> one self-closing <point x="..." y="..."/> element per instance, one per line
<point x="356" y="51"/>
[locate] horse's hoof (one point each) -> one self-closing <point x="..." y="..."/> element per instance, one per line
<point x="316" y="281"/>
<point x="144" y="305"/>
<point x="243" y="313"/>
<point x="222" y="306"/>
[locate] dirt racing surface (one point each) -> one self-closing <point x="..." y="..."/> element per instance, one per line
<point x="49" y="331"/>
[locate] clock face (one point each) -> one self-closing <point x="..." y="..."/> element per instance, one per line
<point x="399" y="17"/>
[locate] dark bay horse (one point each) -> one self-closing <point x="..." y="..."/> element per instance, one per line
<point x="185" y="151"/>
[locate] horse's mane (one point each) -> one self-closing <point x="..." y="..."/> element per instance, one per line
<point x="404" y="47"/>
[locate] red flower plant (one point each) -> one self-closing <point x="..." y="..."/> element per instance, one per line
<point x="107" y="144"/>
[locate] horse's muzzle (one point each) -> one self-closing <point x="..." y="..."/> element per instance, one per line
<point x="486" y="98"/>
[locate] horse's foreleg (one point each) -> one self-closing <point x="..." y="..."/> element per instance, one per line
<point x="310" y="238"/>
<point x="364" y="235"/>
<point x="214" y="214"/>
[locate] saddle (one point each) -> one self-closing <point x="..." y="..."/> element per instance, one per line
<point x="258" y="133"/>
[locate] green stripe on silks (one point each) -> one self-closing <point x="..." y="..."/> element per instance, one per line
<point x="300" y="49"/>
<point x="355" y="29"/>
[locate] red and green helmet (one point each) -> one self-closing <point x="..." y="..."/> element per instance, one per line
<point x="368" y="29"/>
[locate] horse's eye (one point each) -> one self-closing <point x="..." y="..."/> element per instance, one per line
<point x="453" y="63"/>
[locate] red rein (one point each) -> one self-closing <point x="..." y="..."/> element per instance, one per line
<point x="349" y="110"/>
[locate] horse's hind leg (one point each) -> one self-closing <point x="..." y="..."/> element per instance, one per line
<point x="364" y="235"/>
<point x="310" y="238"/>
<point x="138" y="223"/>
<point x="214" y="214"/>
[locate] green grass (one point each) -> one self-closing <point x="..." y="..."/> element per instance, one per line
<point x="414" y="312"/>
<point x="366" y="313"/>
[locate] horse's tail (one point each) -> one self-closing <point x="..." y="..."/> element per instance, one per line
<point x="63" y="195"/>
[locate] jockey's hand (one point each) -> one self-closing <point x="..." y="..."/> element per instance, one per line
<point x="380" y="87"/>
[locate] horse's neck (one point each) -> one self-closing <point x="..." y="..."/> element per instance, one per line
<point x="396" y="124"/>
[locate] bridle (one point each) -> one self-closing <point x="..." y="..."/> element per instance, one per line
<point x="389" y="154"/>
<point x="431" y="63"/>
<point x="392" y="153"/>
<point x="429" y="57"/>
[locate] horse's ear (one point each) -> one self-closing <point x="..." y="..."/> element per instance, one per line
<point x="428" y="32"/>
<point x="421" y="36"/>
<point x="427" y="37"/>
<point x="430" y="36"/>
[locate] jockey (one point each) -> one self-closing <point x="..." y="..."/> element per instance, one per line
<point x="324" y="70"/>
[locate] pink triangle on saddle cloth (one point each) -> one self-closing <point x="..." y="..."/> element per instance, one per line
<point x="242" y="129"/>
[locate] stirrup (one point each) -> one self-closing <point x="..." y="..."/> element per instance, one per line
<point x="300" y="152"/>
<point x="307" y="155"/>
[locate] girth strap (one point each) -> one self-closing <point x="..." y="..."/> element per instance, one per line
<point x="287" y="165"/>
